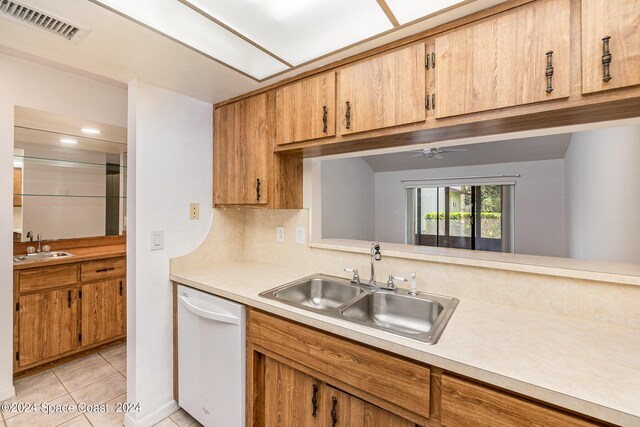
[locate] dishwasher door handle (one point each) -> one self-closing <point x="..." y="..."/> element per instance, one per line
<point x="219" y="317"/>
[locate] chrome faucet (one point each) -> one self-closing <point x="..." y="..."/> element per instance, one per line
<point x="39" y="248"/>
<point x="375" y="256"/>
<point x="30" y="236"/>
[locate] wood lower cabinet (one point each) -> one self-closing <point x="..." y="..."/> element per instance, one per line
<point x="49" y="324"/>
<point x="504" y="60"/>
<point x="610" y="44"/>
<point x="64" y="309"/>
<point x="306" y="109"/>
<point x="383" y="91"/>
<point x="103" y="311"/>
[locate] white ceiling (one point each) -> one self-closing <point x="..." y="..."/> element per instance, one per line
<point x="122" y="49"/>
<point x="508" y="151"/>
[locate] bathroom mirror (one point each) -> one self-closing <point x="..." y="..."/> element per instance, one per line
<point x="69" y="177"/>
<point x="569" y="195"/>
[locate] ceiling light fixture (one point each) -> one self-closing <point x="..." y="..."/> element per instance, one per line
<point x="68" y="141"/>
<point x="90" y="131"/>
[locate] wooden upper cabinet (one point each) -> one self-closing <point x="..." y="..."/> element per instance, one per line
<point x="383" y="91"/>
<point x="48" y="323"/>
<point x="242" y="152"/>
<point x="504" y="60"/>
<point x="306" y="109"/>
<point x="17" y="187"/>
<point x="610" y="44"/>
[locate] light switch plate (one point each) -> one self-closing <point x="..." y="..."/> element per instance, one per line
<point x="300" y="235"/>
<point x="279" y="234"/>
<point x="194" y="210"/>
<point x="157" y="240"/>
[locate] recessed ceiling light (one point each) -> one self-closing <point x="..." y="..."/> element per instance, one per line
<point x="90" y="131"/>
<point x="68" y="141"/>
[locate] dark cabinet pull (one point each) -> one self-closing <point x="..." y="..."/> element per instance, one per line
<point x="433" y="60"/>
<point x="69" y="298"/>
<point x="347" y="115"/>
<point x="314" y="401"/>
<point x="324" y="119"/>
<point x="103" y="270"/>
<point x="334" y="414"/>
<point x="120" y="287"/>
<point x="427" y="61"/>
<point x="258" y="189"/>
<point x="428" y="103"/>
<point x="549" y="71"/>
<point x="606" y="58"/>
<point x="433" y="102"/>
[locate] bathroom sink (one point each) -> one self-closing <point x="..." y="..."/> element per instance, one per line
<point x="41" y="256"/>
<point x="318" y="292"/>
<point x="401" y="313"/>
<point x="421" y="317"/>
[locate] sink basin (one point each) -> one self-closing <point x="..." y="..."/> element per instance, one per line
<point x="400" y="313"/>
<point x="41" y="256"/>
<point x="319" y="293"/>
<point x="421" y="317"/>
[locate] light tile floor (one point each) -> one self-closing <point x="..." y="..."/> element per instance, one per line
<point x="93" y="380"/>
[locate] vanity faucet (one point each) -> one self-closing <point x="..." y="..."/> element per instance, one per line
<point x="375" y="256"/>
<point x="30" y="236"/>
<point x="39" y="248"/>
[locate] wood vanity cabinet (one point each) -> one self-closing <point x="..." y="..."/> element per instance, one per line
<point x="242" y="148"/>
<point x="383" y="91"/>
<point x="17" y="187"/>
<point x="64" y="309"/>
<point x="49" y="324"/>
<point x="505" y="60"/>
<point x="610" y="44"/>
<point x="306" y="109"/>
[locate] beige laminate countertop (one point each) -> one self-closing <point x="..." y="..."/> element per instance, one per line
<point x="79" y="254"/>
<point x="584" y="366"/>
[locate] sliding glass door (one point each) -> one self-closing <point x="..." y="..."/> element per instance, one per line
<point x="476" y="217"/>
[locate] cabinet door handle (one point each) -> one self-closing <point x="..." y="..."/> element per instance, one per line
<point x="69" y="298"/>
<point x="324" y="119"/>
<point x="334" y="414"/>
<point x="549" y="71"/>
<point x="606" y="58"/>
<point x="428" y="103"/>
<point x="433" y="102"/>
<point x="258" y="189"/>
<point x="314" y="401"/>
<point x="102" y="270"/>
<point x="120" y="287"/>
<point x="433" y="60"/>
<point x="347" y="115"/>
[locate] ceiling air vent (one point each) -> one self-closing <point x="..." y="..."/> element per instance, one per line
<point x="28" y="15"/>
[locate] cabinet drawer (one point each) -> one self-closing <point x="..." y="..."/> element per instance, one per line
<point x="103" y="269"/>
<point x="388" y="381"/>
<point x="467" y="404"/>
<point x="48" y="277"/>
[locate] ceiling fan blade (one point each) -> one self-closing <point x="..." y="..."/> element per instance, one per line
<point x="452" y="150"/>
<point x="417" y="155"/>
<point x="438" y="156"/>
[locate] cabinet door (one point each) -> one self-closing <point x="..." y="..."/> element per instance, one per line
<point x="386" y="90"/>
<point x="343" y="410"/>
<point x="306" y="109"/>
<point x="620" y="21"/>
<point x="502" y="61"/>
<point x="242" y="152"/>
<point x="103" y="310"/>
<point x="48" y="324"/>
<point x="17" y="186"/>
<point x="289" y="397"/>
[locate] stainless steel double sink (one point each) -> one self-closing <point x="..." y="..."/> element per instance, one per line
<point x="39" y="256"/>
<point x="421" y="317"/>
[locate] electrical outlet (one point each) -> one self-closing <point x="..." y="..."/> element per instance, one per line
<point x="300" y="235"/>
<point x="194" y="210"/>
<point x="279" y="234"/>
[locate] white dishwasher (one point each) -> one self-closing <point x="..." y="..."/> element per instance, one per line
<point x="211" y="358"/>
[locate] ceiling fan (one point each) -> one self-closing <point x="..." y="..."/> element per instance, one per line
<point x="431" y="153"/>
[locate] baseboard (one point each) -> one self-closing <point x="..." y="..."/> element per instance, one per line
<point x="153" y="418"/>
<point x="7" y="393"/>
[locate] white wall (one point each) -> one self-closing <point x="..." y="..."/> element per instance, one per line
<point x="539" y="203"/>
<point x="169" y="166"/>
<point x="60" y="217"/>
<point x="602" y="177"/>
<point x="36" y="86"/>
<point x="348" y="199"/>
